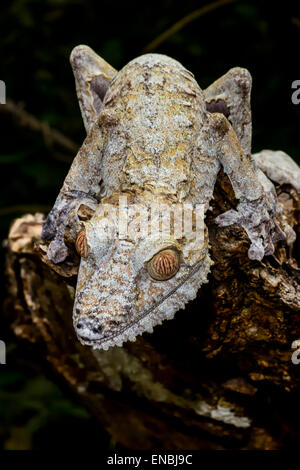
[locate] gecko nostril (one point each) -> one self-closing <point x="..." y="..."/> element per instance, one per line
<point x="79" y="325"/>
<point x="97" y="329"/>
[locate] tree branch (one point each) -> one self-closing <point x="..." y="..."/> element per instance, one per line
<point x="183" y="22"/>
<point x="27" y="120"/>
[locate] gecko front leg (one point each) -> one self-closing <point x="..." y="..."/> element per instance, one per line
<point x="230" y="95"/>
<point x="81" y="186"/>
<point x="257" y="208"/>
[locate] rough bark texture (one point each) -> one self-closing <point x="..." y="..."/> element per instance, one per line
<point x="218" y="376"/>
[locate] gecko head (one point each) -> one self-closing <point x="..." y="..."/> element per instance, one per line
<point x="130" y="282"/>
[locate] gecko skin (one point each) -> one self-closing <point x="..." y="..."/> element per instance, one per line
<point x="154" y="136"/>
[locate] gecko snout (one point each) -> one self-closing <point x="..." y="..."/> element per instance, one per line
<point x="88" y="330"/>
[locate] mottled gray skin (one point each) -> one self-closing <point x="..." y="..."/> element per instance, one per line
<point x="154" y="135"/>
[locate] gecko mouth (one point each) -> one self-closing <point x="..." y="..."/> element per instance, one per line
<point x="100" y="340"/>
<point x="94" y="334"/>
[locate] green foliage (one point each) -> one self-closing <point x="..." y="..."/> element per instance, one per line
<point x="35" y="413"/>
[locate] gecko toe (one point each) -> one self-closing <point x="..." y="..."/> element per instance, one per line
<point x="228" y="218"/>
<point x="57" y="251"/>
<point x="49" y="228"/>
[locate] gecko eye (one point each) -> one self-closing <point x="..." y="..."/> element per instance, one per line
<point x="164" y="264"/>
<point x="81" y="244"/>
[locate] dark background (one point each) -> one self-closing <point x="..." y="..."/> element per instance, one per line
<point x="37" y="37"/>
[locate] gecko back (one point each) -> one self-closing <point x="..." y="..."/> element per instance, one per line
<point x="157" y="108"/>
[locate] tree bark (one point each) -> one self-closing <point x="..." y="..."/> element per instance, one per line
<point x="218" y="376"/>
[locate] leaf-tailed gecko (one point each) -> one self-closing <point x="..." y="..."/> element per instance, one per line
<point x="153" y="136"/>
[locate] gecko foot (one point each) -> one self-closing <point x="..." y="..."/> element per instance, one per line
<point x="258" y="218"/>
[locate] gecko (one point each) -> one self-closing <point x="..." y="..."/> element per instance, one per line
<point x="153" y="136"/>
